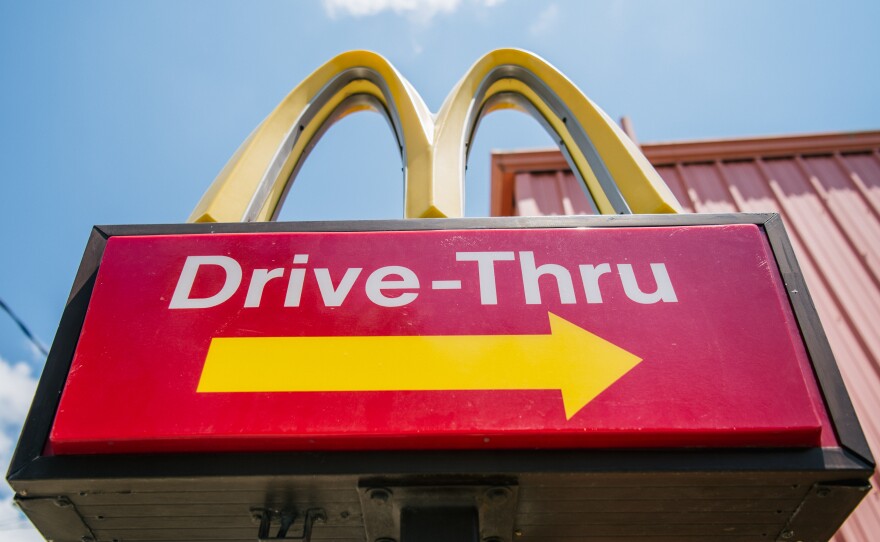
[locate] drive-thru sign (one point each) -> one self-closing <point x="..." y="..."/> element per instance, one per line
<point x="441" y="339"/>
<point x="658" y="377"/>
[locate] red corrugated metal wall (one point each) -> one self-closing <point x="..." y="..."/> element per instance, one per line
<point x="827" y="189"/>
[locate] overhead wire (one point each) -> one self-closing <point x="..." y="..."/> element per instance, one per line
<point x="24" y="329"/>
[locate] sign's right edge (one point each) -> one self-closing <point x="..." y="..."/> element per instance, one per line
<point x="840" y="407"/>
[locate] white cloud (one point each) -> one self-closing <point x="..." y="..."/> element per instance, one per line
<point x="546" y="21"/>
<point x="27" y="534"/>
<point x="14" y="527"/>
<point x="5" y="448"/>
<point x="17" y="385"/>
<point x="419" y="10"/>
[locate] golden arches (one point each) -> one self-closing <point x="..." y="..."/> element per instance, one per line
<point x="434" y="152"/>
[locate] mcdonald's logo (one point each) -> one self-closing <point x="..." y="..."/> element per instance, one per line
<point x="434" y="148"/>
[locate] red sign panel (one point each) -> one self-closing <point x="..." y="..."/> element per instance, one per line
<point x="616" y="337"/>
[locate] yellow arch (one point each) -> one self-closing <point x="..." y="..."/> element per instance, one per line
<point x="619" y="178"/>
<point x="253" y="182"/>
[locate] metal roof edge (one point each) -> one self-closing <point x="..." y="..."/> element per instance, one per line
<point x="764" y="146"/>
<point x="713" y="148"/>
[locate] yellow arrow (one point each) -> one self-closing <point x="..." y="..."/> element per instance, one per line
<point x="570" y="359"/>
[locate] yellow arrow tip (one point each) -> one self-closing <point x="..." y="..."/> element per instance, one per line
<point x="587" y="363"/>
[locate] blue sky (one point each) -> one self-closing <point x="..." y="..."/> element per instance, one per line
<point x="123" y="112"/>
